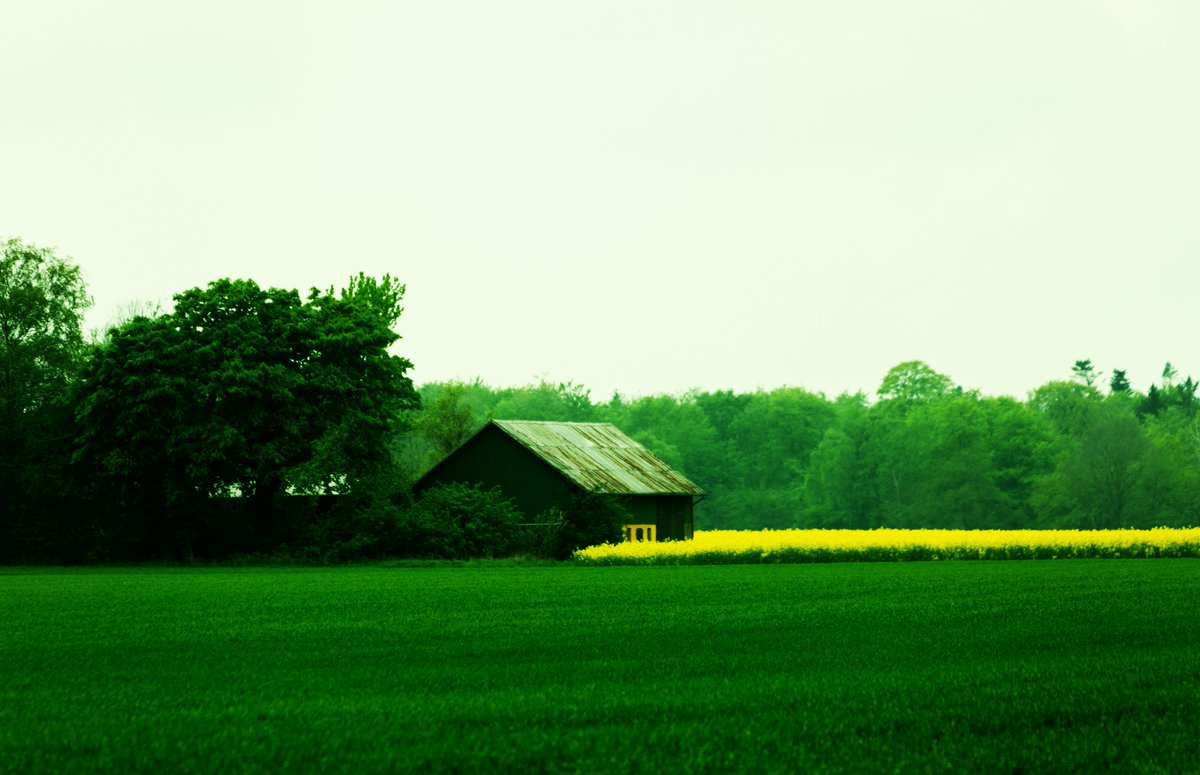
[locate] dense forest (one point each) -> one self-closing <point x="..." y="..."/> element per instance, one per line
<point x="250" y="419"/>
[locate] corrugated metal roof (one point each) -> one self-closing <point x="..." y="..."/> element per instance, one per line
<point x="599" y="458"/>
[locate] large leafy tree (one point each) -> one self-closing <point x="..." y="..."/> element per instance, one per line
<point x="1104" y="474"/>
<point x="242" y="389"/>
<point x="42" y="301"/>
<point x="914" y="381"/>
<point x="777" y="432"/>
<point x="832" y="491"/>
<point x="448" y="422"/>
<point x="1071" y="407"/>
<point x="562" y="402"/>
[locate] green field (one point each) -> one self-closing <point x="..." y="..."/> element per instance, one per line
<point x="1079" y="666"/>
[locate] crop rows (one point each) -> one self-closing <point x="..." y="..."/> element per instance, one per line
<point x="721" y="547"/>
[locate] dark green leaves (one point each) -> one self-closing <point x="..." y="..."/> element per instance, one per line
<point x="42" y="301"/>
<point x="246" y="390"/>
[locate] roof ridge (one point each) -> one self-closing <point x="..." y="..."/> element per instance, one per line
<point x="553" y="422"/>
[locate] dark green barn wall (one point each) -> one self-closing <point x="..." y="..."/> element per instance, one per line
<point x="494" y="459"/>
<point x="643" y="510"/>
<point x="671" y="515"/>
<point x="675" y="516"/>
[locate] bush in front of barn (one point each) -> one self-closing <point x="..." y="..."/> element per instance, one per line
<point x="363" y="524"/>
<point x="541" y="538"/>
<point x="590" y="519"/>
<point x="379" y="519"/>
<point x="461" y="521"/>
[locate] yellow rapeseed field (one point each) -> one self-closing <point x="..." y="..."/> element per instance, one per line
<point x="882" y="545"/>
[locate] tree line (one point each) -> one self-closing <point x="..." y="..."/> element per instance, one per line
<point x="922" y="452"/>
<point x="262" y="419"/>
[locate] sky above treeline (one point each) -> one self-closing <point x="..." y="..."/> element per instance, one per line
<point x="639" y="196"/>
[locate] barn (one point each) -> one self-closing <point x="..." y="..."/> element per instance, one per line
<point x="544" y="464"/>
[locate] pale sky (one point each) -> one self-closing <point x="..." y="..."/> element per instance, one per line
<point x="643" y="196"/>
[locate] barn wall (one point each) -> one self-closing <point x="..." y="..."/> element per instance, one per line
<point x="670" y="514"/>
<point x="675" y="516"/>
<point x="494" y="459"/>
<point x="643" y="509"/>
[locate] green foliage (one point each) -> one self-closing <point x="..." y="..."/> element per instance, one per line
<point x="1170" y="398"/>
<point x="1085" y="374"/>
<point x="590" y="519"/>
<point x="42" y="301"/>
<point x="1119" y="382"/>
<point x="914" y="381"/>
<point x="48" y="513"/>
<point x="367" y="523"/>
<point x="948" y="468"/>
<point x="562" y="402"/>
<point x="1099" y="477"/>
<point x="1107" y="469"/>
<point x="448" y="422"/>
<point x="1021" y="446"/>
<point x="460" y="521"/>
<point x="242" y="390"/>
<point x="544" y="538"/>
<point x="830" y="484"/>
<point x="381" y="297"/>
<point x="1069" y="406"/>
<point x="780" y="429"/>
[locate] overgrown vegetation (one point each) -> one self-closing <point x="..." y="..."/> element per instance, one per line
<point x="589" y="520"/>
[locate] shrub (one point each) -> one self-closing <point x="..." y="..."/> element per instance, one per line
<point x="591" y="519"/>
<point x="366" y="523"/>
<point x="460" y="521"/>
<point x="541" y="537"/>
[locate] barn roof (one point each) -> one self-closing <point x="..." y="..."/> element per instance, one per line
<point x="599" y="458"/>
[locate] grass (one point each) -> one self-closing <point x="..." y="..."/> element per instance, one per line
<point x="1081" y="666"/>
